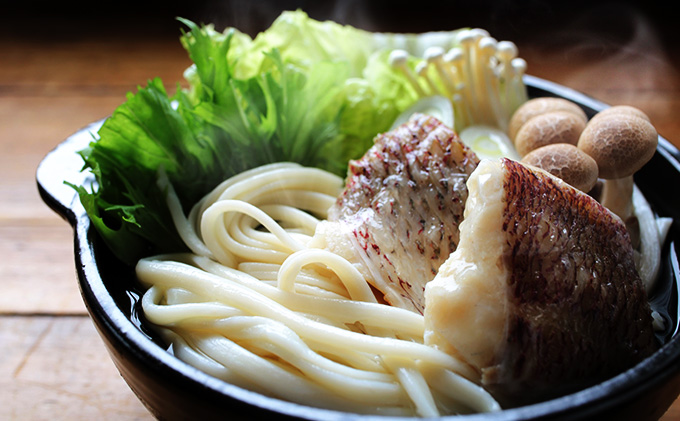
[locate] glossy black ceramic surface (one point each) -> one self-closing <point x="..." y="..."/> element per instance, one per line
<point x="171" y="389"/>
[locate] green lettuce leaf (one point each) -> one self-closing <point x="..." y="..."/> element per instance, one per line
<point x="303" y="41"/>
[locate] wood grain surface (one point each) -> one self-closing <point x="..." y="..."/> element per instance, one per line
<point x="62" y="69"/>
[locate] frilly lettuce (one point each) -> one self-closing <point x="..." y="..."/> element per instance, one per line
<point x="311" y="92"/>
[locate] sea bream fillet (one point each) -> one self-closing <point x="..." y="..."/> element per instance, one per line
<point x="398" y="216"/>
<point x="541" y="296"/>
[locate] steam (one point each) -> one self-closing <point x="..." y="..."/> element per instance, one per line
<point x="252" y="17"/>
<point x="582" y="45"/>
<point x="597" y="53"/>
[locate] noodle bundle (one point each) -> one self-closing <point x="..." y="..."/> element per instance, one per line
<point x="259" y="304"/>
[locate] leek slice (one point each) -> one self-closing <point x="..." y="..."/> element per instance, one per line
<point x="489" y="142"/>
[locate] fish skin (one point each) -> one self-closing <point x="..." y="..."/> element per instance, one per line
<point x="402" y="205"/>
<point x="578" y="310"/>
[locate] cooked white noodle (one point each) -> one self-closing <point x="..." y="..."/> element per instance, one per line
<point x="257" y="306"/>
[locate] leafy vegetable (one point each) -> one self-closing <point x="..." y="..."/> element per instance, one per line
<point x="142" y="136"/>
<point x="221" y="126"/>
<point x="311" y="92"/>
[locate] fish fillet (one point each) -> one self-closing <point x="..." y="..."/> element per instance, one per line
<point x="541" y="296"/>
<point x="397" y="218"/>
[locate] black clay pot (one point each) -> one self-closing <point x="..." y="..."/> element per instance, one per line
<point x="171" y="389"/>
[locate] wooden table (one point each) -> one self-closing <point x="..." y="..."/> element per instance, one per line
<point x="54" y="81"/>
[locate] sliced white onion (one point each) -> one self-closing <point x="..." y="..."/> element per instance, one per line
<point x="489" y="142"/>
<point x="653" y="233"/>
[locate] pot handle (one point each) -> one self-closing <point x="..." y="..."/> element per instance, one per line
<point x="64" y="164"/>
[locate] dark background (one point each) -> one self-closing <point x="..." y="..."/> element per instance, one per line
<point x="549" y="22"/>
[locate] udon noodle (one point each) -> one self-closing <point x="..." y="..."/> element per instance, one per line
<point x="259" y="304"/>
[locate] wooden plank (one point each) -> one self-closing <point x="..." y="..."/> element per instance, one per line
<point x="58" y="367"/>
<point x="38" y="274"/>
<point x="92" y="66"/>
<point x="673" y="413"/>
<point x="29" y="129"/>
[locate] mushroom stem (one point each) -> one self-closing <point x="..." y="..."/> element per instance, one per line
<point x="399" y="59"/>
<point x="421" y="71"/>
<point x="456" y="60"/>
<point x="460" y="112"/>
<point x="617" y="196"/>
<point x="507" y="51"/>
<point x="434" y="56"/>
<point x="519" y="91"/>
<point x="468" y="42"/>
<point x="489" y="98"/>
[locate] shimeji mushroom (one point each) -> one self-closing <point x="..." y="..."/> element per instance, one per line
<point x="567" y="162"/>
<point x="547" y="129"/>
<point x="621" y="109"/>
<point x="481" y="76"/>
<point x="542" y="105"/>
<point x="620" y="144"/>
<point x="622" y="141"/>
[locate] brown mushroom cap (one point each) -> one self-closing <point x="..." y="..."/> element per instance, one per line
<point x="547" y="129"/>
<point x="538" y="106"/>
<point x="621" y="109"/>
<point x="567" y="162"/>
<point x="620" y="144"/>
